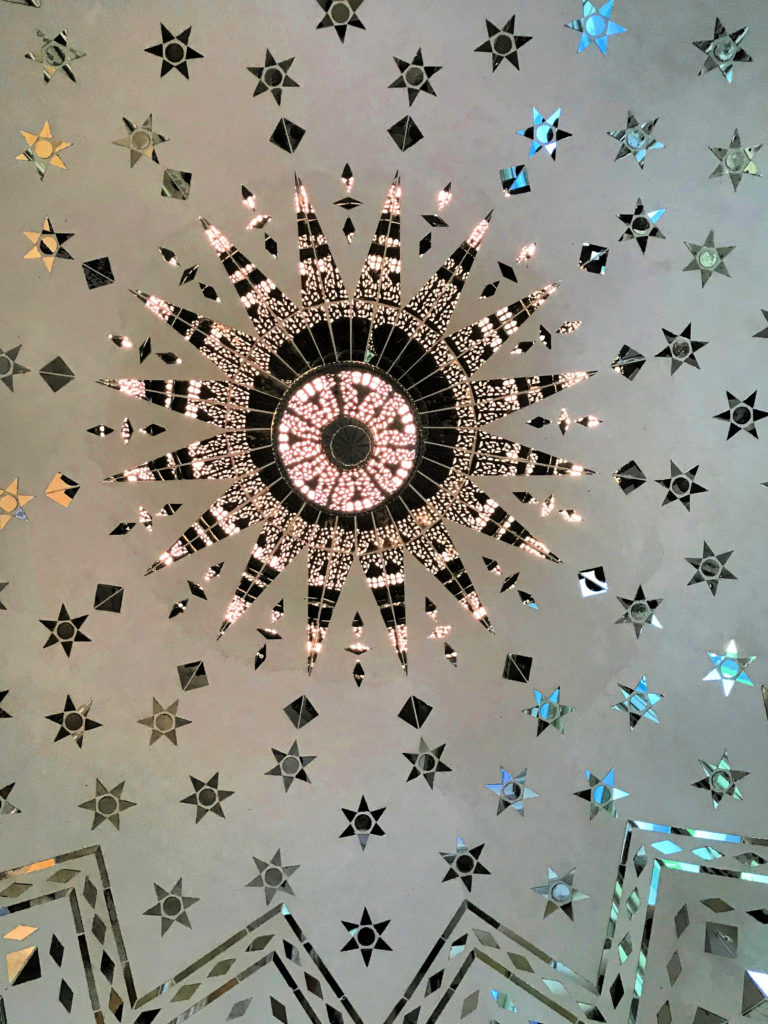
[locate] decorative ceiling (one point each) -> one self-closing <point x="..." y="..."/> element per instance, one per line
<point x="453" y="708"/>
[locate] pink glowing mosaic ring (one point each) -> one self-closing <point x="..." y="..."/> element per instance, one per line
<point x="348" y="438"/>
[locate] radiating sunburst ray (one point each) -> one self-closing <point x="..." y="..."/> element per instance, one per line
<point x="210" y="401"/>
<point x="498" y="456"/>
<point x="496" y="398"/>
<point x="476" y="343"/>
<point x="329" y="563"/>
<point x="282" y="538"/>
<point x="351" y="429"/>
<point x="244" y="504"/>
<point x="377" y="296"/>
<point x="221" y="457"/>
<point x="474" y="508"/>
<point x="437" y="553"/>
<point x="276" y="317"/>
<point x="241" y="357"/>
<point x="322" y="287"/>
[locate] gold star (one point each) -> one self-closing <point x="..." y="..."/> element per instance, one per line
<point x="47" y="245"/>
<point x="43" y="150"/>
<point x="12" y="503"/>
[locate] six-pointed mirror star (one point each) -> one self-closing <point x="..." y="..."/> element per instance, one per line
<point x="73" y="721"/>
<point x="10" y="366"/>
<point x="174" y="51"/>
<point x="464" y="863"/>
<point x="414" y="76"/>
<point x="365" y="936"/>
<point x="638" y="703"/>
<point x="273" y="876"/>
<point x="560" y="892"/>
<point x="341" y="14"/>
<point x="290" y="765"/>
<point x="729" y="667"/>
<point x="171" y="906"/>
<point x="636" y="138"/>
<point x="43" y="149"/>
<point x="55" y="54"/>
<point x="708" y="258"/>
<point x="544" y="133"/>
<point x="207" y="797"/>
<point x="601" y="793"/>
<point x="502" y="43"/>
<point x="48" y="245"/>
<point x="680" y="349"/>
<point x="721" y="779"/>
<point x="273" y="77"/>
<point x="107" y="804"/>
<point x="710" y="568"/>
<point x="512" y="791"/>
<point x="595" y="26"/>
<point x="641" y="225"/>
<point x="681" y="485"/>
<point x="363" y="822"/>
<point x="639" y="611"/>
<point x="65" y="630"/>
<point x="141" y="140"/>
<point x="548" y="711"/>
<point x="723" y="50"/>
<point x="741" y="414"/>
<point x="735" y="160"/>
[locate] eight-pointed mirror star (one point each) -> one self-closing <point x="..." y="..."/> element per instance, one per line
<point x="544" y="133"/>
<point x="363" y="822"/>
<point x="710" y="568"/>
<point x="273" y="77"/>
<point x="207" y="796"/>
<point x="708" y="258"/>
<point x="164" y="721"/>
<point x="548" y="711"/>
<point x="720" y="779"/>
<point x="723" y="50"/>
<point x="729" y="668"/>
<point x="741" y="414"/>
<point x="366" y="936"/>
<point x="680" y="348"/>
<point x="735" y="160"/>
<point x="637" y="138"/>
<point x="414" y="76"/>
<point x="290" y="765"/>
<point x="174" y="50"/>
<point x="10" y="367"/>
<point x="107" y="805"/>
<point x="502" y="43"/>
<point x="641" y="225"/>
<point x="73" y="721"/>
<point x="43" y="150"/>
<point x="273" y="876"/>
<point x="595" y="26"/>
<point x="48" y="245"/>
<point x="340" y="14"/>
<point x="638" y="703"/>
<point x="464" y="863"/>
<point x="601" y="793"/>
<point x="511" y="791"/>
<point x="65" y="630"/>
<point x="171" y="906"/>
<point x="427" y="761"/>
<point x="681" y="485"/>
<point x="55" y="54"/>
<point x="141" y="140"/>
<point x="561" y="893"/>
<point x="12" y="503"/>
<point x="639" y="611"/>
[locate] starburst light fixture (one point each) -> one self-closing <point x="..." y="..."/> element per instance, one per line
<point x="351" y="427"/>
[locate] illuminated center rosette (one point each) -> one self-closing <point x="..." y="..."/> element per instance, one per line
<point x="347" y="438"/>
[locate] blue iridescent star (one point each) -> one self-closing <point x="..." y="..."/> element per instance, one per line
<point x="544" y="133"/>
<point x="602" y="794"/>
<point x="548" y="711"/>
<point x="511" y="791"/>
<point x="729" y="668"/>
<point x="595" y="26"/>
<point x="638" y="703"/>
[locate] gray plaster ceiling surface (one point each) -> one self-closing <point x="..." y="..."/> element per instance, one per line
<point x="630" y="951"/>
